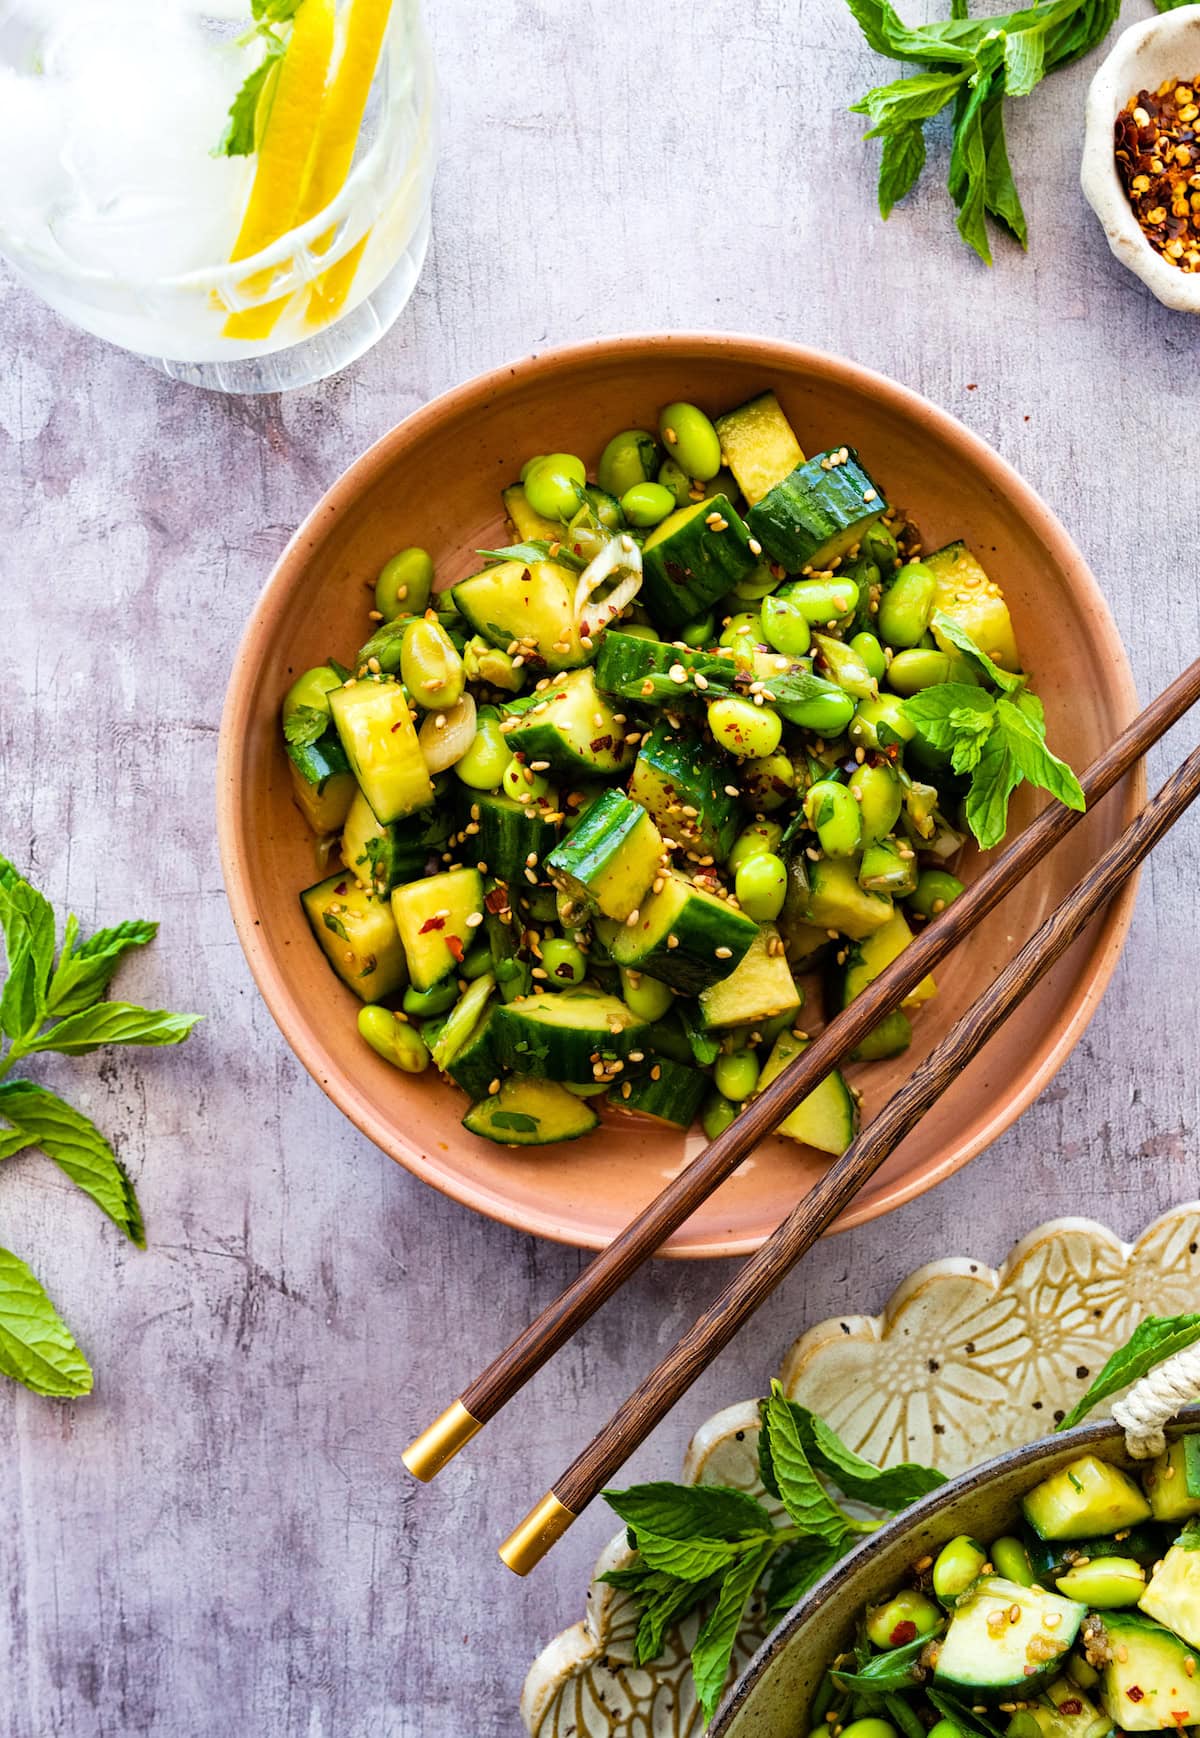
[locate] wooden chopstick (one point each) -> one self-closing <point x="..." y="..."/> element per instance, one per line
<point x="608" y="1270"/>
<point x="654" y="1397"/>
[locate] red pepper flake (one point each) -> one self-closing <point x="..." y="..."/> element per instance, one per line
<point x="1158" y="159"/>
<point x="1135" y="1693"/>
<point x="496" y="899"/>
<point x="905" y="1631"/>
<point x="565" y="971"/>
<point x="432" y="923"/>
<point x="599" y="743"/>
<point x="397" y="726"/>
<point x="456" y="948"/>
<point x="341" y="887"/>
<point x="1072" y="1705"/>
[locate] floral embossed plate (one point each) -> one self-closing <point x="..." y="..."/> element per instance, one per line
<point x="964" y="1362"/>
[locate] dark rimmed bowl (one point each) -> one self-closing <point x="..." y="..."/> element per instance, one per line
<point x="772" y="1697"/>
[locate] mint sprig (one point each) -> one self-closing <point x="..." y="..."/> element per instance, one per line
<point x="53" y="999"/>
<point x="994" y="733"/>
<point x="1155" y="1339"/>
<point x="713" y="1545"/>
<point x="240" y="137"/>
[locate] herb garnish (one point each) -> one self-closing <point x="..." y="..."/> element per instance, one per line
<point x="998" y="738"/>
<point x="1154" y="1340"/>
<point x="58" y="1004"/>
<point x="240" y="138"/>
<point x="697" y="1541"/>
<point x="973" y="64"/>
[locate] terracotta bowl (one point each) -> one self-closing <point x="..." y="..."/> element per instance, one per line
<point x="772" y="1696"/>
<point x="435" y="481"/>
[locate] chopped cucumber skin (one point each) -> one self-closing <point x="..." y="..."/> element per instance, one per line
<point x="530" y="1113"/>
<point x="1087" y="1497"/>
<point x="670" y="1092"/>
<point x="1146" y="1684"/>
<point x="611" y="858"/>
<point x="990" y="1652"/>
<point x="680" y="782"/>
<point x="507" y="834"/>
<point x="571" y="726"/>
<point x="560" y="1037"/>
<point x="828" y="1118"/>
<point x="358" y="936"/>
<point x="697" y="555"/>
<point x="818" y="512"/>
<point x="685" y="937"/>
<point x="626" y="663"/>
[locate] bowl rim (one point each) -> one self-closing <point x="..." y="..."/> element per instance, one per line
<point x="1108" y="935"/>
<point x="1107" y="94"/>
<point x="1082" y="1436"/>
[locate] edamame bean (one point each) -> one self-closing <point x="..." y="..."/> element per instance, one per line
<point x="767" y="783"/>
<point x="958" y="1564"/>
<point x="743" y="626"/>
<point x="392" y="1039"/>
<point x="530" y="463"/>
<point x="679" y="483"/>
<point x="902" y="1619"/>
<point x="785" y="626"/>
<point x="716" y="1115"/>
<point x="522" y="784"/>
<point x="1105" y="1583"/>
<point x="311" y="689"/>
<point x="691" y="440"/>
<point x="645" y="996"/>
<point x="700" y="631"/>
<point x="735" y="1075"/>
<point x="405" y="584"/>
<point x="639" y="630"/>
<point x="439" y="999"/>
<point x="945" y="1729"/>
<point x="752" y="841"/>
<point x="833" y="814"/>
<point x="761" y="886"/>
<point x="750" y="732"/>
<point x="871" y="653"/>
<point x="822" y="602"/>
<point x="476" y="961"/>
<point x="876" y="790"/>
<point x="906" y="606"/>
<point x="482" y="766"/>
<point x="647" y="504"/>
<point x="869" y="1727"/>
<point x="563" y="962"/>
<point x="881" y="724"/>
<point x="935" y="890"/>
<point x="880" y="546"/>
<point x="911" y="671"/>
<point x="1011" y="1560"/>
<point x="554" y="485"/>
<point x="827" y="711"/>
<point x="630" y="457"/>
<point x="758" y="582"/>
<point x="432" y="670"/>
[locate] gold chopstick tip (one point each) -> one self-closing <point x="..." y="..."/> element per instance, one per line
<point x="434" y="1448"/>
<point x="541" y="1529"/>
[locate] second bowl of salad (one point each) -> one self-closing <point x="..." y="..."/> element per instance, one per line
<point x="612" y="724"/>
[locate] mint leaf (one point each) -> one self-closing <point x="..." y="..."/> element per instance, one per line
<point x="113" y="1023"/>
<point x="892" y="1488"/>
<point x="690" y="1559"/>
<point x="78" y="1148"/>
<point x="995" y="778"/>
<point x="941" y="714"/>
<point x="662" y="1601"/>
<point x="690" y="1511"/>
<point x="1025" y="742"/>
<point x="900" y="164"/>
<point x="965" y="1718"/>
<point x="946" y="629"/>
<point x="535" y="549"/>
<point x="1154" y="1340"/>
<point x="305" y="725"/>
<point x="798" y="1568"/>
<point x="27" y="919"/>
<point x="898" y="1669"/>
<point x="971" y="732"/>
<point x="713" y="1647"/>
<point x="787" y="1473"/>
<point x="893" y="107"/>
<point x="83" y="972"/>
<point x="12" y="1139"/>
<point x="1001" y="196"/>
<point x="36" y="1346"/>
<point x="238" y="138"/>
<point x="1024" y="61"/>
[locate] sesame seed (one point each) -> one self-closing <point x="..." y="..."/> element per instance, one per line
<point x="755" y="546"/>
<point x="374" y="615"/>
<point x="631" y="920"/>
<point x="656" y="1072"/>
<point x="670" y="437"/>
<point x="672" y="941"/>
<point x="723" y="953"/>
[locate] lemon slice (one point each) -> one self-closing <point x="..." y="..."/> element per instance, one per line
<point x="282" y="174"/>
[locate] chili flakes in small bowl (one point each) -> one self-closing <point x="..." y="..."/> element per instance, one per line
<point x="1158" y="159"/>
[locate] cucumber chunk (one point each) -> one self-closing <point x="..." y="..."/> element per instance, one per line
<point x="566" y="1037"/>
<point x="759" y="445"/>
<point x="867" y="958"/>
<point x="1087" y="1497"/>
<point x="467" y="1013"/>
<point x="529" y="526"/>
<point x="380" y="740"/>
<point x="976" y="602"/>
<point x="1150" y="1680"/>
<point x="322" y="782"/>
<point x="626" y="663"/>
<point x="1173" y="1593"/>
<point x="828" y="1118"/>
<point x="814" y="516"/>
<point x="507" y="834"/>
<point x="383" y="855"/>
<point x="517" y="600"/>
<point x="530" y="1113"/>
<point x="358" y="934"/>
<point x="477" y="1061"/>
<point x="685" y="937"/>
<point x="611" y="857"/>
<point x="680" y="782"/>
<point x="834" y="900"/>
<point x="572" y="727"/>
<point x="1049" y="1558"/>
<point x="1005" y="1639"/>
<point x="431" y="915"/>
<point x="1061" y="1711"/>
<point x="1173" y="1481"/>
<point x="694" y="557"/>
<point x="759" y="988"/>
<point x="670" y="1092"/>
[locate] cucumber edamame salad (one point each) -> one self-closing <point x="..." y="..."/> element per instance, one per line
<point x="1083" y="1623"/>
<point x="604" y="805"/>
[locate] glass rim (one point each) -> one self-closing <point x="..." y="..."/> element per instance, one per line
<point x="207" y="277"/>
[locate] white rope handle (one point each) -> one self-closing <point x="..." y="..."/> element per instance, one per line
<point x="1155" y="1399"/>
